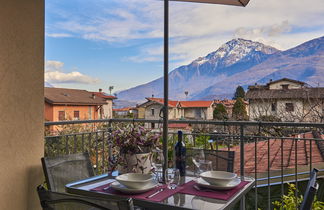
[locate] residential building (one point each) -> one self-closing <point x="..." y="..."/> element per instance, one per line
<point x="286" y="100"/>
<point x="194" y="110"/>
<point x="152" y="110"/>
<point x="106" y="110"/>
<point x="125" y="112"/>
<point x="71" y="104"/>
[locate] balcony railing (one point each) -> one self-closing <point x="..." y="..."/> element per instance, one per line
<point x="273" y="152"/>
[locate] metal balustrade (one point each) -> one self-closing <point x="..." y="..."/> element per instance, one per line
<point x="273" y="152"/>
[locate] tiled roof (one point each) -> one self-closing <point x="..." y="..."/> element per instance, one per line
<point x="303" y="154"/>
<point x="179" y="125"/>
<point x="305" y="93"/>
<point x="104" y="95"/>
<point x="64" y="96"/>
<point x="183" y="104"/>
<point x="188" y="104"/>
<point x="161" y="101"/>
<point x="286" y="79"/>
<point x="123" y="109"/>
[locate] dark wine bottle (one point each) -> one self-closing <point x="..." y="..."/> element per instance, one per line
<point x="180" y="155"/>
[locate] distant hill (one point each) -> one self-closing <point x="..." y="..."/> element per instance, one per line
<point x="237" y="62"/>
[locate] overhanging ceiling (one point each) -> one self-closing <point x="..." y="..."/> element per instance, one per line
<point x="226" y="2"/>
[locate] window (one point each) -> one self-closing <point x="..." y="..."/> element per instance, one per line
<point x="152" y="125"/>
<point x="273" y="107"/>
<point x="76" y="115"/>
<point x="152" y="112"/>
<point x="61" y="115"/>
<point x="289" y="107"/>
<point x="285" y="87"/>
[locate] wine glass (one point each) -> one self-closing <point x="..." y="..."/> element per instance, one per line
<point x="201" y="163"/>
<point x="157" y="163"/>
<point x="172" y="178"/>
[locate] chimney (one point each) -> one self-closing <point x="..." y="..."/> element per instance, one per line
<point x="93" y="96"/>
<point x="100" y="90"/>
<point x="256" y="84"/>
<point x="270" y="80"/>
<point x="152" y="95"/>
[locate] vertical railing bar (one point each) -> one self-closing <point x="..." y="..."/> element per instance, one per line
<point x="96" y="147"/>
<point x="173" y="143"/>
<point x="109" y="143"/>
<point x="75" y="143"/>
<point x="281" y="170"/>
<point x="216" y="152"/>
<point x="242" y="203"/>
<point x="296" y="181"/>
<point x="310" y="156"/>
<point x="82" y="142"/>
<point x="269" y="193"/>
<point x="67" y="144"/>
<point x="89" y="142"/>
<point x="256" y="168"/>
<point x="103" y="152"/>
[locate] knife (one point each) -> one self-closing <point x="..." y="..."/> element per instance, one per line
<point x="154" y="194"/>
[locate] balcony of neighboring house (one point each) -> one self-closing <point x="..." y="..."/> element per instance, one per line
<point x="273" y="153"/>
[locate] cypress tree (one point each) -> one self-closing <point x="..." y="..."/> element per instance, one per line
<point x="239" y="110"/>
<point x="220" y="112"/>
<point x="239" y="93"/>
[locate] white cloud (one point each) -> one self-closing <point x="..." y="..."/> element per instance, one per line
<point x="53" y="65"/>
<point x="195" y="29"/>
<point x="54" y="75"/>
<point x="72" y="77"/>
<point x="58" y="35"/>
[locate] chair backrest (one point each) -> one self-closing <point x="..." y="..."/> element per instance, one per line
<point x="222" y="160"/>
<point x="62" y="201"/>
<point x="62" y="170"/>
<point x="310" y="192"/>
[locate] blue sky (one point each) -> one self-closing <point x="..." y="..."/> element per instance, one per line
<point x="101" y="43"/>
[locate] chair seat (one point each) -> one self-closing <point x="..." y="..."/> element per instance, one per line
<point x="63" y="201"/>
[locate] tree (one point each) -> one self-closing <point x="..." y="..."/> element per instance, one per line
<point x="239" y="110"/>
<point x="239" y="93"/>
<point x="220" y="112"/>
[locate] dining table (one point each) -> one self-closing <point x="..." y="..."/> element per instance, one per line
<point x="184" y="196"/>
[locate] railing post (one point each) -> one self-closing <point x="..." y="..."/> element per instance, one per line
<point x="242" y="203"/>
<point x="166" y="87"/>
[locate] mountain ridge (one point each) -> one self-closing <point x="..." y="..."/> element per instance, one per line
<point x="237" y="62"/>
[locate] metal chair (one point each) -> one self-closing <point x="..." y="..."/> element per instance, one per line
<point x="222" y="160"/>
<point x="310" y="192"/>
<point x="62" y="201"/>
<point x="64" y="169"/>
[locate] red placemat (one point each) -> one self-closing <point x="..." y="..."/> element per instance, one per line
<point x="157" y="198"/>
<point x="217" y="194"/>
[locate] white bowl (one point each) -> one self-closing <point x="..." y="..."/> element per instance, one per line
<point x="218" y="177"/>
<point x="135" y="180"/>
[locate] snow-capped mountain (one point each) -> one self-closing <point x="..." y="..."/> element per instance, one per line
<point x="237" y="62"/>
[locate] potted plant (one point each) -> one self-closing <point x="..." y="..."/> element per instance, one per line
<point x="132" y="145"/>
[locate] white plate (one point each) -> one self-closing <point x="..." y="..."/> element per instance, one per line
<point x="230" y="185"/>
<point x="217" y="177"/>
<point x="135" y="180"/>
<point x="122" y="188"/>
